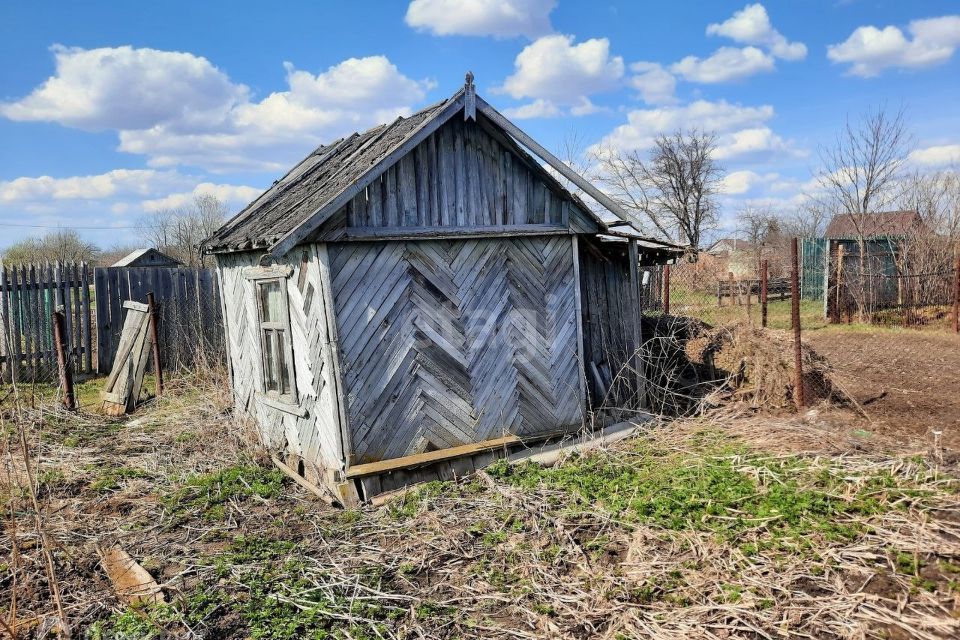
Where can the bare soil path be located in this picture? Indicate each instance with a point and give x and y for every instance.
(908, 382)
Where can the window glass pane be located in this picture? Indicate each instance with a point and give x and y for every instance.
(270, 368)
(284, 371)
(270, 301)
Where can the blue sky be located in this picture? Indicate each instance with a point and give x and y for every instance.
(111, 110)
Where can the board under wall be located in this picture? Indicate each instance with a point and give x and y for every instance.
(445, 343)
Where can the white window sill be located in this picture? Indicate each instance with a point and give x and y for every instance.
(280, 405)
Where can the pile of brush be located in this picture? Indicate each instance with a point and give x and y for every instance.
(756, 366)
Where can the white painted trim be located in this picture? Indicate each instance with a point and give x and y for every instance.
(267, 273)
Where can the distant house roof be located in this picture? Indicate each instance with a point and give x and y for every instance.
(880, 224)
(146, 258)
(729, 244)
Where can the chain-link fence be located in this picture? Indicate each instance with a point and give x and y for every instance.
(882, 290)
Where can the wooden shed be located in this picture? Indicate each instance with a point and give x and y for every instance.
(148, 257)
(424, 295)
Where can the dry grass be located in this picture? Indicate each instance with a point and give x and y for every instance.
(570, 552)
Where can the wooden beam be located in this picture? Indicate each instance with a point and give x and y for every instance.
(550, 159)
(636, 318)
(406, 462)
(300, 480)
(472, 231)
(300, 233)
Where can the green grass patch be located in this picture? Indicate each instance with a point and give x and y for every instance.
(208, 494)
(724, 490)
(111, 479)
(273, 589)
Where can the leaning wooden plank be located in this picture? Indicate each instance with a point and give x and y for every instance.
(140, 364)
(300, 480)
(123, 385)
(428, 457)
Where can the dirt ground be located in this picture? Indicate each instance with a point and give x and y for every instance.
(908, 382)
(735, 524)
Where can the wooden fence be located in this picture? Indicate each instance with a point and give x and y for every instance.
(191, 319)
(29, 294)
(737, 290)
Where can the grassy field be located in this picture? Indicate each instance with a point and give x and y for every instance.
(714, 527)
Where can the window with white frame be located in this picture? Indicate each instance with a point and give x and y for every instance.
(276, 348)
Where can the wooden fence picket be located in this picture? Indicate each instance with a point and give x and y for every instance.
(29, 294)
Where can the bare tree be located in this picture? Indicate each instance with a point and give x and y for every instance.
(179, 232)
(807, 221)
(762, 230)
(62, 245)
(860, 175)
(674, 190)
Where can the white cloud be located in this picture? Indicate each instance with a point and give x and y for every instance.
(937, 156)
(123, 192)
(751, 25)
(655, 84)
(555, 69)
(235, 196)
(116, 183)
(643, 125)
(126, 88)
(754, 143)
(870, 50)
(740, 182)
(497, 18)
(273, 133)
(537, 109)
(724, 65)
(177, 109)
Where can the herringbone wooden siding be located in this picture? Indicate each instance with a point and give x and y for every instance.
(315, 437)
(444, 343)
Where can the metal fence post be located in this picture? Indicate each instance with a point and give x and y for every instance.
(795, 320)
(764, 268)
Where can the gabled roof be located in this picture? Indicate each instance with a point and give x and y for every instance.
(731, 244)
(133, 256)
(297, 204)
(880, 224)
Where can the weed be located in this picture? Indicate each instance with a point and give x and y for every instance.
(726, 491)
(110, 479)
(209, 493)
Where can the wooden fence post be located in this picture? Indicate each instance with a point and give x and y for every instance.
(730, 287)
(835, 316)
(666, 290)
(795, 321)
(63, 365)
(749, 290)
(764, 269)
(155, 343)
